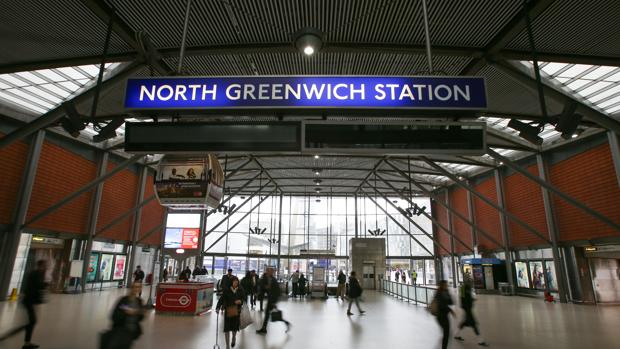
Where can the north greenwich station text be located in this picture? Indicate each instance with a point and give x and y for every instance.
(306, 92)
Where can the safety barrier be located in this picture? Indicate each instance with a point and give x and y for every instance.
(410, 293)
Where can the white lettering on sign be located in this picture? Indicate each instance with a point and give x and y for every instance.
(177, 93)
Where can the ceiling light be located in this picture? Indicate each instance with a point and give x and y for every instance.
(317, 181)
(526, 131)
(317, 171)
(575, 135)
(180, 250)
(316, 156)
(568, 121)
(309, 41)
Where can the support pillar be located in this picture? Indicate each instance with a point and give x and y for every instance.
(279, 230)
(93, 217)
(553, 229)
(137, 219)
(356, 217)
(614, 145)
(161, 247)
(472, 218)
(10, 240)
(451, 229)
(499, 185)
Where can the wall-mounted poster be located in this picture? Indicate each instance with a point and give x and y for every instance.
(538, 276)
(522, 277)
(550, 275)
(92, 267)
(105, 267)
(119, 267)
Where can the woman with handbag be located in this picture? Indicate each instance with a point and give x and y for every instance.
(233, 298)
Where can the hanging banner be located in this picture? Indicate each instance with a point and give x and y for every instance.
(290, 92)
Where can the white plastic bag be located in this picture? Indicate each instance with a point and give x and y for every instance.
(245, 319)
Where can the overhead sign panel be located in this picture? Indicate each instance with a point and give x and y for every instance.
(290, 92)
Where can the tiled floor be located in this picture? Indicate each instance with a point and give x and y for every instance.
(74, 321)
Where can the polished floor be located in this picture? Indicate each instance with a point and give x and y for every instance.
(74, 321)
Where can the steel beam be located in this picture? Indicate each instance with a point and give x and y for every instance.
(525, 79)
(10, 240)
(238, 208)
(487, 200)
(240, 220)
(125, 215)
(513, 28)
(545, 184)
(152, 231)
(472, 218)
(374, 168)
(499, 187)
(161, 246)
(93, 217)
(83, 189)
(356, 216)
(441, 203)
(452, 249)
(137, 219)
(55, 114)
(405, 229)
(554, 233)
(232, 195)
(614, 146)
(279, 229)
(267, 174)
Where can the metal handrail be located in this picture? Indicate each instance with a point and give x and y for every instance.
(421, 294)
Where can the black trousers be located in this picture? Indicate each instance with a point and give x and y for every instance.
(295, 289)
(32, 321)
(445, 327)
(470, 321)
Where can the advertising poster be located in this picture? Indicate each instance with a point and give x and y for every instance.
(92, 267)
(179, 173)
(105, 267)
(186, 238)
(538, 278)
(522, 277)
(550, 275)
(119, 267)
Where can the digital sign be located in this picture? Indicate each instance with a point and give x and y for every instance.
(185, 238)
(252, 92)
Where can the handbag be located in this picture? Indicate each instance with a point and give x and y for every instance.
(434, 307)
(245, 319)
(232, 311)
(276, 315)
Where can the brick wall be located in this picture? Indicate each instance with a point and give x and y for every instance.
(589, 177)
(462, 230)
(12, 164)
(487, 217)
(440, 214)
(524, 199)
(119, 196)
(152, 216)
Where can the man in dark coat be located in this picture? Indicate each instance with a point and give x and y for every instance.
(443, 302)
(33, 295)
(467, 303)
(272, 290)
(138, 275)
(355, 292)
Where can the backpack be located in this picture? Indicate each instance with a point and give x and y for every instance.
(433, 308)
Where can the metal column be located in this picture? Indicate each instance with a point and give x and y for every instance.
(472, 218)
(137, 219)
(161, 246)
(499, 185)
(451, 229)
(356, 219)
(93, 217)
(279, 230)
(10, 241)
(553, 229)
(614, 145)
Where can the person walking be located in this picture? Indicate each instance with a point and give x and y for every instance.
(246, 286)
(262, 284)
(342, 282)
(295, 283)
(197, 271)
(138, 275)
(397, 276)
(126, 318)
(185, 275)
(233, 297)
(467, 303)
(414, 277)
(254, 280)
(227, 279)
(404, 276)
(272, 290)
(355, 292)
(301, 285)
(440, 307)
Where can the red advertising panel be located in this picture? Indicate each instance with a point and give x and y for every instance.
(190, 238)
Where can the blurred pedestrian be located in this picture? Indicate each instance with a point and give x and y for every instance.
(204, 270)
(404, 276)
(254, 289)
(233, 297)
(355, 292)
(246, 286)
(295, 283)
(414, 277)
(227, 279)
(197, 271)
(262, 284)
(272, 291)
(342, 285)
(397, 276)
(440, 307)
(185, 275)
(126, 318)
(138, 275)
(467, 303)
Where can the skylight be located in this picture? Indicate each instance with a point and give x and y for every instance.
(40, 91)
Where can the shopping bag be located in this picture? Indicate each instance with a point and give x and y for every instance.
(245, 319)
(276, 315)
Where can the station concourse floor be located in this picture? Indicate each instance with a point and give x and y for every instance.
(74, 322)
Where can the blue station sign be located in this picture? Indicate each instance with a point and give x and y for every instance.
(252, 92)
